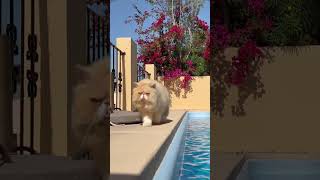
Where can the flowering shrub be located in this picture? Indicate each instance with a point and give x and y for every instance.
(178, 48)
(243, 71)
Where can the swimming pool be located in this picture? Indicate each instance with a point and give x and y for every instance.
(265, 169)
(188, 155)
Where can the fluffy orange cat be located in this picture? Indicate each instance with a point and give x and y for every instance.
(89, 107)
(152, 100)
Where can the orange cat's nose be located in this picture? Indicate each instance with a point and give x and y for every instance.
(143, 96)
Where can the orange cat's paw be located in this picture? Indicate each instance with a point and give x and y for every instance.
(147, 122)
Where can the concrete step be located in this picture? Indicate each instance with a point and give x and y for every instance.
(125, 117)
(39, 167)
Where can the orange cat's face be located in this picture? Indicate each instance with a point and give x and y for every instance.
(144, 96)
(91, 90)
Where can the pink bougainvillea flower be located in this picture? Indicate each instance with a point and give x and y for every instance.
(202, 24)
(207, 51)
(177, 31)
(185, 82)
(157, 24)
(189, 63)
(221, 37)
(140, 42)
(256, 6)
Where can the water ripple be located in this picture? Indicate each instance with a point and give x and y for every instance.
(196, 158)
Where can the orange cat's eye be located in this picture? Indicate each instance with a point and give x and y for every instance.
(147, 93)
(140, 93)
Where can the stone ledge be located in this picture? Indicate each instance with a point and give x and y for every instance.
(136, 151)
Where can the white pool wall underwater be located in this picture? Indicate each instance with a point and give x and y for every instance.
(172, 161)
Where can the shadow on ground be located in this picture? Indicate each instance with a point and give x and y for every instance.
(163, 122)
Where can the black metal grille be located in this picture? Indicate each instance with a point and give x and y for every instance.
(142, 73)
(16, 33)
(117, 60)
(14, 28)
(99, 45)
(32, 76)
(96, 36)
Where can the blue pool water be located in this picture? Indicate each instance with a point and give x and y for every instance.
(255, 169)
(196, 156)
(188, 156)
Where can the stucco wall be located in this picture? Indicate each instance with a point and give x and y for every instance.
(197, 97)
(287, 117)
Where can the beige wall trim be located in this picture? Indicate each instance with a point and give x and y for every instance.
(151, 68)
(129, 70)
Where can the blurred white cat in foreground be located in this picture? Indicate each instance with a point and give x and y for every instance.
(152, 100)
(90, 106)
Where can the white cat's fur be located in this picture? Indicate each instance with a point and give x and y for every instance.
(90, 106)
(152, 100)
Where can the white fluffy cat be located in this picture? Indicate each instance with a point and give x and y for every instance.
(90, 105)
(152, 100)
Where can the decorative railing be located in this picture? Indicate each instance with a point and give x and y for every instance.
(117, 62)
(17, 52)
(142, 73)
(98, 48)
(97, 37)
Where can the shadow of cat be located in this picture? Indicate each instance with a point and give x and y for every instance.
(162, 122)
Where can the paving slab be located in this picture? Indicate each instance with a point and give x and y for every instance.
(136, 151)
(39, 167)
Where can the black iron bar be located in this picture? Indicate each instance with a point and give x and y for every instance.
(11, 12)
(142, 72)
(103, 37)
(138, 75)
(117, 81)
(120, 77)
(32, 70)
(98, 38)
(94, 37)
(10, 34)
(33, 57)
(22, 79)
(88, 36)
(107, 24)
(0, 17)
(115, 78)
(113, 70)
(115, 47)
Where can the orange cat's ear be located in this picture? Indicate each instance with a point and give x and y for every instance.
(134, 84)
(153, 85)
(80, 74)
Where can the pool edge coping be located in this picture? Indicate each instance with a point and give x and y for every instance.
(165, 171)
